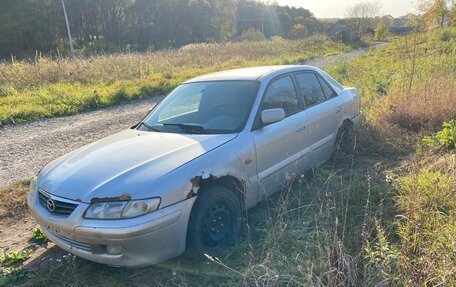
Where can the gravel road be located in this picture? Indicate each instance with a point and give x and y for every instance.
(26, 148)
(333, 60)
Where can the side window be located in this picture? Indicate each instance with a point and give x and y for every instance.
(281, 93)
(329, 93)
(310, 89)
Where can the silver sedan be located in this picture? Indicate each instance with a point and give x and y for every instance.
(179, 179)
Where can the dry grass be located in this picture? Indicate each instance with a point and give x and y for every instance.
(49, 88)
(425, 108)
(401, 119)
(13, 199)
(110, 68)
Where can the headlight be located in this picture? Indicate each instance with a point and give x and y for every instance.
(122, 209)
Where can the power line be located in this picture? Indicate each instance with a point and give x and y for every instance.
(68, 30)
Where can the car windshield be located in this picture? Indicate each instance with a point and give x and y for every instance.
(204, 108)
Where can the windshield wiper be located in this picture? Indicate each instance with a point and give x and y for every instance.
(149, 127)
(188, 127)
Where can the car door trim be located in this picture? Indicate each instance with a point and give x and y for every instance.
(284, 163)
(323, 141)
(271, 170)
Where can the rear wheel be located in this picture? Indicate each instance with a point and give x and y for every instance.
(215, 223)
(345, 142)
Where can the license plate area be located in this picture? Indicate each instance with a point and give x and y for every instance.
(58, 232)
(65, 238)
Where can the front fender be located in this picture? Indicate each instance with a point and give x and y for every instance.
(236, 158)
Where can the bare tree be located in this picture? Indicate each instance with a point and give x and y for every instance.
(362, 16)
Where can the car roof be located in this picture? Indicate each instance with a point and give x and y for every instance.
(252, 74)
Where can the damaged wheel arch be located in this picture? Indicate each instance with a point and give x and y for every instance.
(236, 186)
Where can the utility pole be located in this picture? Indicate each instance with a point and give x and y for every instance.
(68, 30)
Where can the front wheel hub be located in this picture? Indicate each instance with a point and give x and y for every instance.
(216, 223)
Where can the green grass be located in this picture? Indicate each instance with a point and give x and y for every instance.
(9, 259)
(38, 236)
(50, 88)
(408, 93)
(390, 69)
(446, 137)
(408, 88)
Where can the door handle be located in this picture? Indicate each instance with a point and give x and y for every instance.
(339, 109)
(300, 128)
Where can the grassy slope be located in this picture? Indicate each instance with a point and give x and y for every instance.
(386, 217)
(57, 88)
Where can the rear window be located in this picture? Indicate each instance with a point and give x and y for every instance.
(336, 86)
(329, 93)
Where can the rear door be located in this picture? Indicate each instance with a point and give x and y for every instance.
(324, 111)
(279, 146)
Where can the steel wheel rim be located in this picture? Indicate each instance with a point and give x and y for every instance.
(217, 223)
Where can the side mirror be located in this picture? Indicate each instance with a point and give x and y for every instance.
(272, 116)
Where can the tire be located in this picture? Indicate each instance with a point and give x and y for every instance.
(215, 223)
(345, 142)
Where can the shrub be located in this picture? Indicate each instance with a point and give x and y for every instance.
(446, 137)
(12, 258)
(381, 31)
(298, 31)
(38, 235)
(252, 34)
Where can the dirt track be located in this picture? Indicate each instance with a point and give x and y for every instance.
(26, 148)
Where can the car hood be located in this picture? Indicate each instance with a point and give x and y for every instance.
(116, 159)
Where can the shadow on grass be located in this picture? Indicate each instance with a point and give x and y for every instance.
(56, 267)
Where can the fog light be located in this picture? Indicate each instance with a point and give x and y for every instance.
(113, 250)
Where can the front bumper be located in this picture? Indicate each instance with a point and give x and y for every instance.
(145, 240)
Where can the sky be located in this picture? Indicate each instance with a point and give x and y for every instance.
(338, 8)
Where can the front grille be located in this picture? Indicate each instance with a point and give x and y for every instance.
(59, 206)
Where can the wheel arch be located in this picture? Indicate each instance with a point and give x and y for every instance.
(346, 121)
(207, 188)
(236, 185)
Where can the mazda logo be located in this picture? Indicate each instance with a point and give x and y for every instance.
(50, 205)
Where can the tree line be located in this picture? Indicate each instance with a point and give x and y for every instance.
(31, 26)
